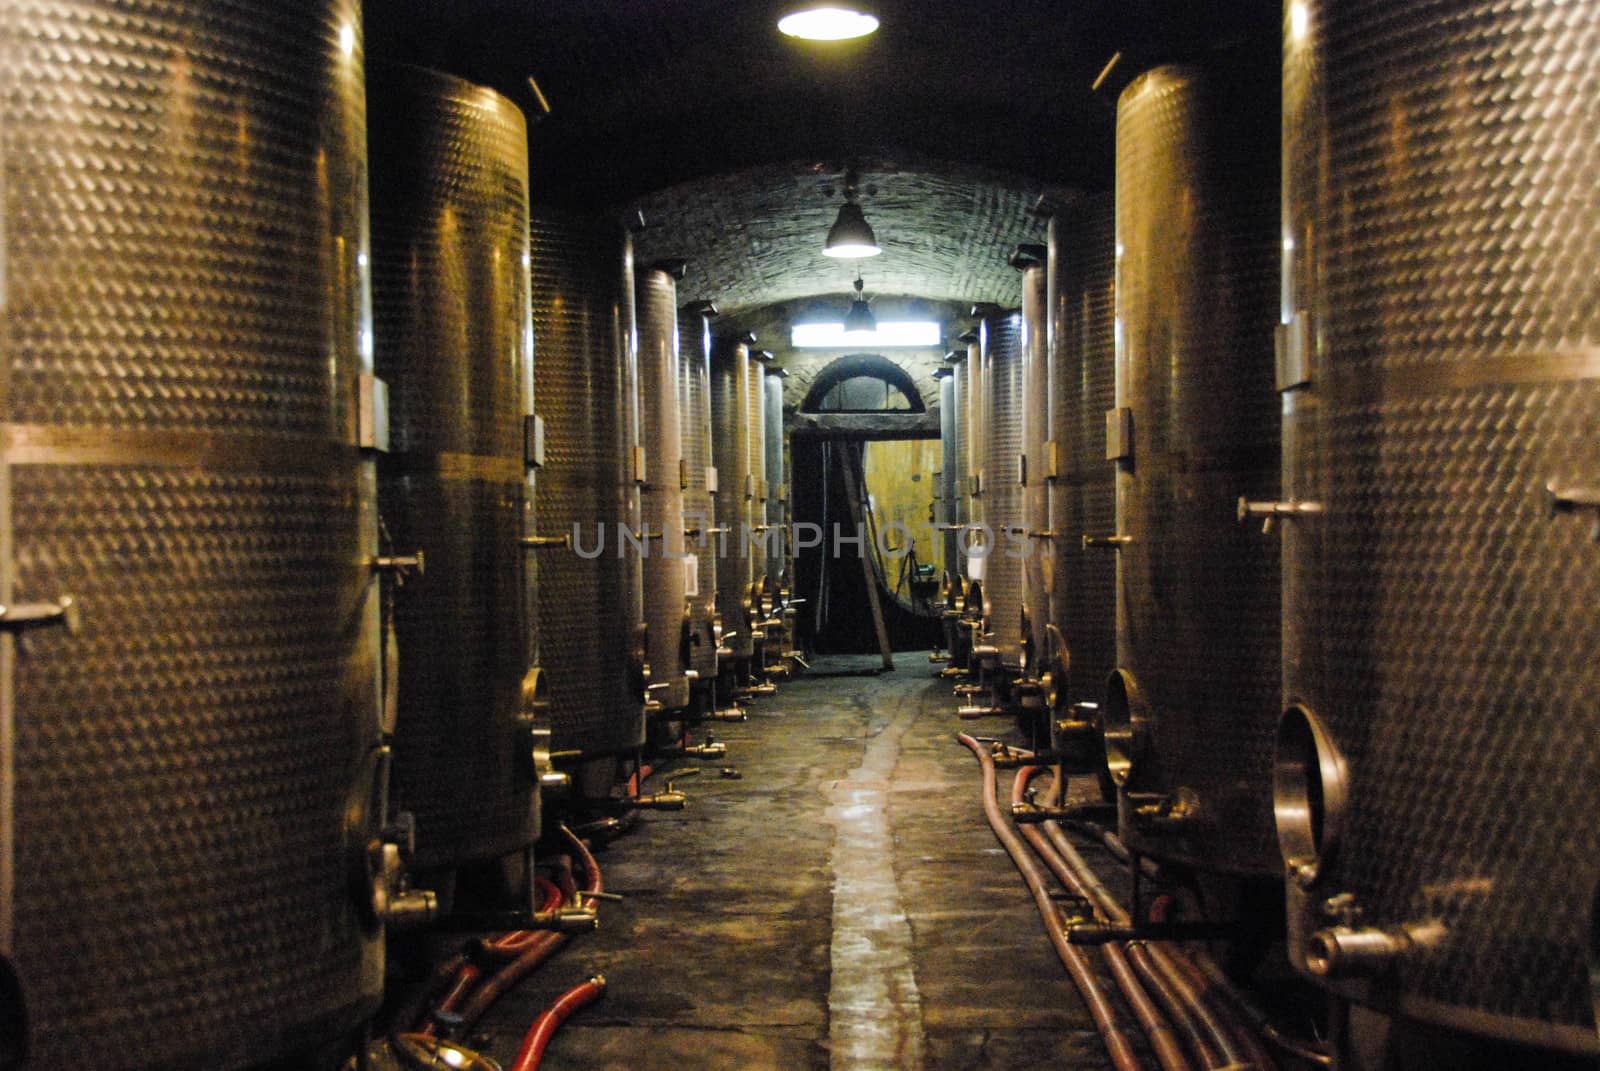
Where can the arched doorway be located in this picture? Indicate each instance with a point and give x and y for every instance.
(864, 430)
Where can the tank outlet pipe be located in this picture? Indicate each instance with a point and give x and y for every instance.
(1365, 951)
(1118, 1045)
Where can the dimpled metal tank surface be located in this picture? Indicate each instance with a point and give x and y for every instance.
(661, 496)
(730, 445)
(585, 389)
(1191, 711)
(1083, 497)
(191, 775)
(454, 344)
(755, 399)
(1001, 339)
(694, 353)
(1442, 400)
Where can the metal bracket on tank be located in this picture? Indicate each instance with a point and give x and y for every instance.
(533, 441)
(372, 414)
(22, 616)
(1119, 434)
(1294, 353)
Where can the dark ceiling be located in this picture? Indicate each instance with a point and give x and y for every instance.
(727, 133)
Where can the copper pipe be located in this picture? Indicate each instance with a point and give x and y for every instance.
(1166, 971)
(1095, 997)
(1163, 1041)
(544, 1028)
(1246, 1038)
(1156, 981)
(1183, 978)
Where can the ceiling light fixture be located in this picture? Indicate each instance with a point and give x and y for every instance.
(859, 323)
(891, 334)
(851, 235)
(827, 22)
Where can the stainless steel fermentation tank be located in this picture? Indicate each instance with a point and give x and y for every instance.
(783, 610)
(777, 490)
(1001, 341)
(975, 404)
(1436, 768)
(1191, 709)
(1034, 470)
(454, 343)
(756, 502)
(192, 776)
(705, 624)
(592, 634)
(731, 368)
(1083, 594)
(666, 477)
(950, 514)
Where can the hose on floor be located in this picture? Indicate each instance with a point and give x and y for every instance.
(1168, 1051)
(1212, 1042)
(544, 1028)
(540, 947)
(1118, 1045)
(1210, 978)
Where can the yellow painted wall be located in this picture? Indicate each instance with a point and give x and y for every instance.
(902, 478)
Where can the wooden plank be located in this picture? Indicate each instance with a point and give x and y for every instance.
(852, 492)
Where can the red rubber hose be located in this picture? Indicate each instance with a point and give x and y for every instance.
(544, 1028)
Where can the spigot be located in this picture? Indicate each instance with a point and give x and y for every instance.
(1081, 723)
(1350, 950)
(1585, 500)
(733, 713)
(669, 799)
(971, 713)
(1112, 542)
(1176, 811)
(1270, 512)
(708, 750)
(394, 902)
(401, 567)
(576, 918)
(1033, 813)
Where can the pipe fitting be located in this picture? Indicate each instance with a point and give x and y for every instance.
(1364, 951)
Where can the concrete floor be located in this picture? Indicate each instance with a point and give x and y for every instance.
(842, 905)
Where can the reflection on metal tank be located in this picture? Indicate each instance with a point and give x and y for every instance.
(1193, 704)
(1034, 472)
(1083, 497)
(694, 347)
(1000, 336)
(191, 776)
(454, 339)
(590, 621)
(666, 614)
(1441, 399)
(730, 445)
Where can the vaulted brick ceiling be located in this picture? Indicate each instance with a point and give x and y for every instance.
(755, 237)
(726, 133)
